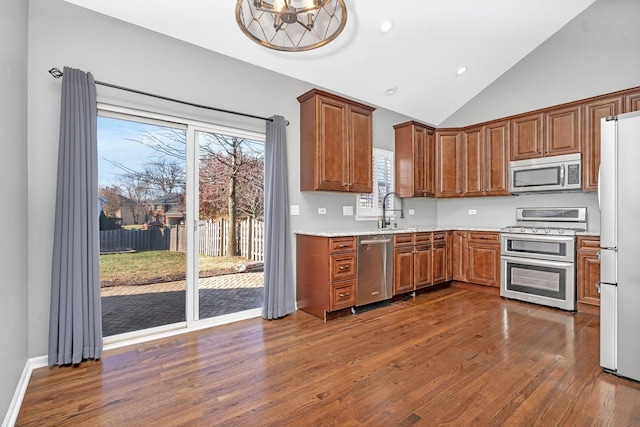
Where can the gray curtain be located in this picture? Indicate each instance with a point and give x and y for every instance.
(75, 324)
(279, 295)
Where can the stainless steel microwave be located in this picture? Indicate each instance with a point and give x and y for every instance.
(545, 174)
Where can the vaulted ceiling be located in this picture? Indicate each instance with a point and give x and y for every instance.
(429, 41)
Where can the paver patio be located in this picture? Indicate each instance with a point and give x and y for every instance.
(131, 308)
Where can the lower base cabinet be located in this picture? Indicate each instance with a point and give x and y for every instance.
(588, 274)
(325, 274)
(476, 257)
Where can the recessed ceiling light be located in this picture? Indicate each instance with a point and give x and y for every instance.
(461, 70)
(386, 26)
(391, 90)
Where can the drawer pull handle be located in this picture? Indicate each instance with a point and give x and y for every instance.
(343, 294)
(343, 267)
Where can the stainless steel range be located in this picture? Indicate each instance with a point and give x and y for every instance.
(538, 256)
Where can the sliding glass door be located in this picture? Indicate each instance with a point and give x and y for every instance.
(181, 222)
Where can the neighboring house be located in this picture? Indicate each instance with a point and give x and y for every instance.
(167, 209)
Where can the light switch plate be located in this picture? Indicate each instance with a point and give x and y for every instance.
(472, 211)
(322, 211)
(295, 209)
(412, 211)
(347, 210)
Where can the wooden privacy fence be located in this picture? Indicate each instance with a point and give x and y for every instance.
(212, 236)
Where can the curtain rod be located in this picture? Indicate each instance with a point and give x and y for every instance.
(55, 72)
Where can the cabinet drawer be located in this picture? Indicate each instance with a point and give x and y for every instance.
(402, 239)
(439, 237)
(588, 243)
(484, 237)
(342, 244)
(342, 295)
(423, 238)
(343, 267)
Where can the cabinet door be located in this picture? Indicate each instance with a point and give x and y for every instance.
(496, 158)
(449, 162)
(593, 112)
(562, 130)
(588, 276)
(420, 161)
(459, 256)
(402, 270)
(429, 162)
(422, 266)
(484, 265)
(473, 147)
(449, 271)
(632, 102)
(360, 150)
(332, 155)
(439, 263)
(527, 137)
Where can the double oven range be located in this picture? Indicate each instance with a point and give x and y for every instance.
(538, 256)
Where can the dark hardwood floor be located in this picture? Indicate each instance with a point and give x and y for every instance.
(453, 357)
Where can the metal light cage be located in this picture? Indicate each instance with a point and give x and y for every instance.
(291, 25)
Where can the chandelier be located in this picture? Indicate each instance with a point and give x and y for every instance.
(291, 25)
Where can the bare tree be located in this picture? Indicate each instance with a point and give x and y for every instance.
(113, 194)
(138, 193)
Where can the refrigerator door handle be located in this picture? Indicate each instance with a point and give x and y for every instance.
(562, 176)
(599, 196)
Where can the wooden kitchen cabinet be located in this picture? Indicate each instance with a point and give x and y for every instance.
(593, 111)
(483, 263)
(414, 159)
(325, 274)
(476, 257)
(459, 255)
(562, 132)
(439, 264)
(486, 157)
(632, 101)
(527, 137)
(449, 163)
(588, 274)
(412, 262)
(335, 143)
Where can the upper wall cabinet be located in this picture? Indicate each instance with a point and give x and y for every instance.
(562, 130)
(632, 101)
(593, 112)
(527, 138)
(414, 158)
(486, 150)
(449, 163)
(553, 132)
(335, 143)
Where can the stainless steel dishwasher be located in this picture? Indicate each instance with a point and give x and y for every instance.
(375, 257)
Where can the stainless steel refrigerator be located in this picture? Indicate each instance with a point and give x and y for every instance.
(619, 197)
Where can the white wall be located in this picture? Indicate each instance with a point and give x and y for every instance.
(13, 214)
(63, 34)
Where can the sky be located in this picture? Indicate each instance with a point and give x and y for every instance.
(117, 141)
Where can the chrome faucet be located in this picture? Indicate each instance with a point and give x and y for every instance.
(386, 222)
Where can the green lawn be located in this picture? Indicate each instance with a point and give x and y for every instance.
(145, 267)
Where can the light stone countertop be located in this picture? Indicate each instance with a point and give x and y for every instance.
(346, 233)
(588, 233)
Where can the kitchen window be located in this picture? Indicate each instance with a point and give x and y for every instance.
(369, 205)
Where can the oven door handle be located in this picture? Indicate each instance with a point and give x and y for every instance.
(536, 262)
(538, 237)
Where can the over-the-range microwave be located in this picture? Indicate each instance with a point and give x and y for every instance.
(554, 173)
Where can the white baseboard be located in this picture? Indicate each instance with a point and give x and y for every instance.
(21, 389)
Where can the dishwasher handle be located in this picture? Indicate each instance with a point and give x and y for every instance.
(374, 242)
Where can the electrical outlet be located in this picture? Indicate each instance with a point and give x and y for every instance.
(347, 210)
(472, 211)
(412, 211)
(322, 211)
